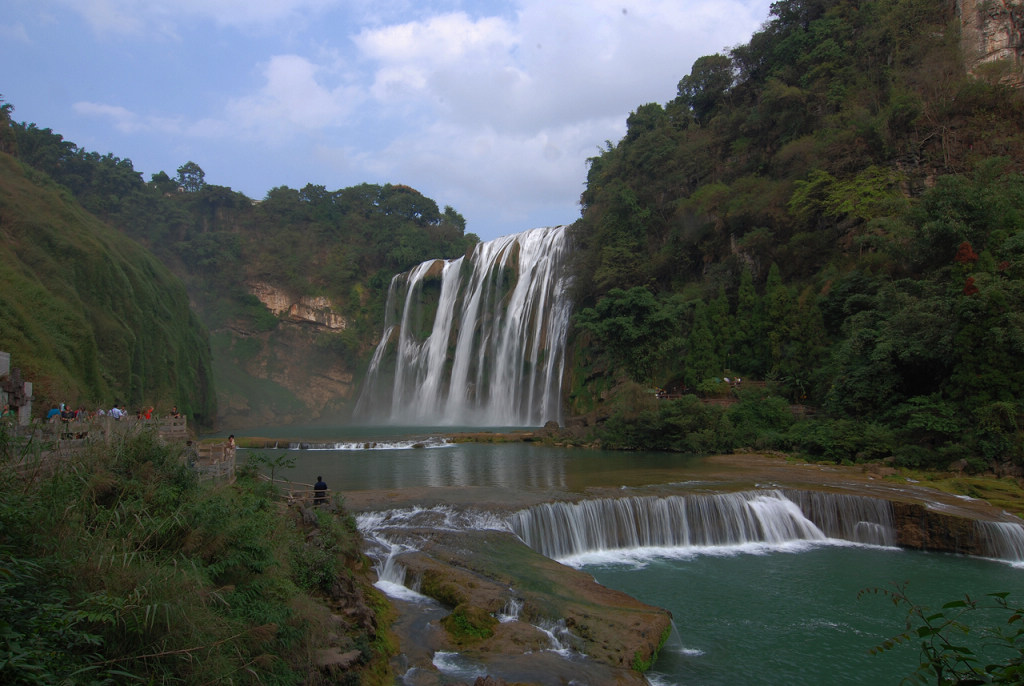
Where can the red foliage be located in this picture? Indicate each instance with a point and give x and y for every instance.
(969, 287)
(965, 254)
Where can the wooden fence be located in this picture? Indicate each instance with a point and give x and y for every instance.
(296, 492)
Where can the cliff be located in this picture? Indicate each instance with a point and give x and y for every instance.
(992, 37)
(300, 371)
(89, 316)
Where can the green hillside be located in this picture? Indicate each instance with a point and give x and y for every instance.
(835, 209)
(88, 315)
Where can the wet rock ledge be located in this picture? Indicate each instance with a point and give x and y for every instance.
(477, 573)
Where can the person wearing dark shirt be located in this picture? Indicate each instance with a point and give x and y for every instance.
(319, 491)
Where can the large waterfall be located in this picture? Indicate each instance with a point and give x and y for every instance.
(475, 341)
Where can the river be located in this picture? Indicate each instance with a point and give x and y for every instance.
(784, 612)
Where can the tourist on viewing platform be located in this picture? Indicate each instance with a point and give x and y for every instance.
(231, 442)
(148, 413)
(53, 415)
(116, 412)
(319, 491)
(174, 414)
(8, 412)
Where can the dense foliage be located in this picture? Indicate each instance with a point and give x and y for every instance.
(90, 317)
(120, 567)
(836, 209)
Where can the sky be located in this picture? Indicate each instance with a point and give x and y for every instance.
(492, 107)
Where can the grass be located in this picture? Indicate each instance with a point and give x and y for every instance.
(120, 566)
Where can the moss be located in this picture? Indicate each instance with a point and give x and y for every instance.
(467, 624)
(640, 664)
(441, 588)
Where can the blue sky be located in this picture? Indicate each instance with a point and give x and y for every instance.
(490, 107)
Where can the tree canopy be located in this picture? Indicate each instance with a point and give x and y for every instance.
(835, 209)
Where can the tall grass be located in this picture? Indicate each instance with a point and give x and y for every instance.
(120, 566)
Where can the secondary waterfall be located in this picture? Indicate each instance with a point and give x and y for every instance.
(561, 530)
(475, 341)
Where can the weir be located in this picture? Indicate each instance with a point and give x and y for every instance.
(562, 530)
(475, 341)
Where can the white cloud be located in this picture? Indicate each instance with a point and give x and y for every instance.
(417, 58)
(293, 96)
(125, 120)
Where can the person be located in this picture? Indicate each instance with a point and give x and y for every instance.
(53, 415)
(116, 412)
(8, 412)
(174, 412)
(231, 442)
(319, 491)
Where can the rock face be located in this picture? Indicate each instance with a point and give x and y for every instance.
(924, 529)
(992, 31)
(314, 310)
(479, 572)
(299, 370)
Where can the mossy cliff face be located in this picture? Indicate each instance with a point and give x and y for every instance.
(88, 315)
(476, 573)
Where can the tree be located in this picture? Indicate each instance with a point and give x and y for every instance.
(630, 326)
(8, 143)
(706, 86)
(191, 177)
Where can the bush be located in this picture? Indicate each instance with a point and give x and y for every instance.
(968, 641)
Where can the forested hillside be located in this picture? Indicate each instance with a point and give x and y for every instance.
(835, 208)
(89, 316)
(291, 287)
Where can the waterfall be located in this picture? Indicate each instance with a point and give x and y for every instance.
(561, 530)
(1002, 540)
(849, 517)
(479, 340)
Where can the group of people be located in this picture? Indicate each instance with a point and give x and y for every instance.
(65, 413)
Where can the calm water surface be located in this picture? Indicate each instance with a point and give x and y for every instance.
(794, 617)
(501, 466)
(744, 616)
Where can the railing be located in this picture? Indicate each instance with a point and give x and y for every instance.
(215, 462)
(295, 492)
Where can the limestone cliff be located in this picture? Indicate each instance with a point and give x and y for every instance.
(314, 310)
(992, 37)
(297, 371)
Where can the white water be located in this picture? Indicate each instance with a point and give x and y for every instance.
(1003, 540)
(496, 348)
(409, 444)
(750, 519)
